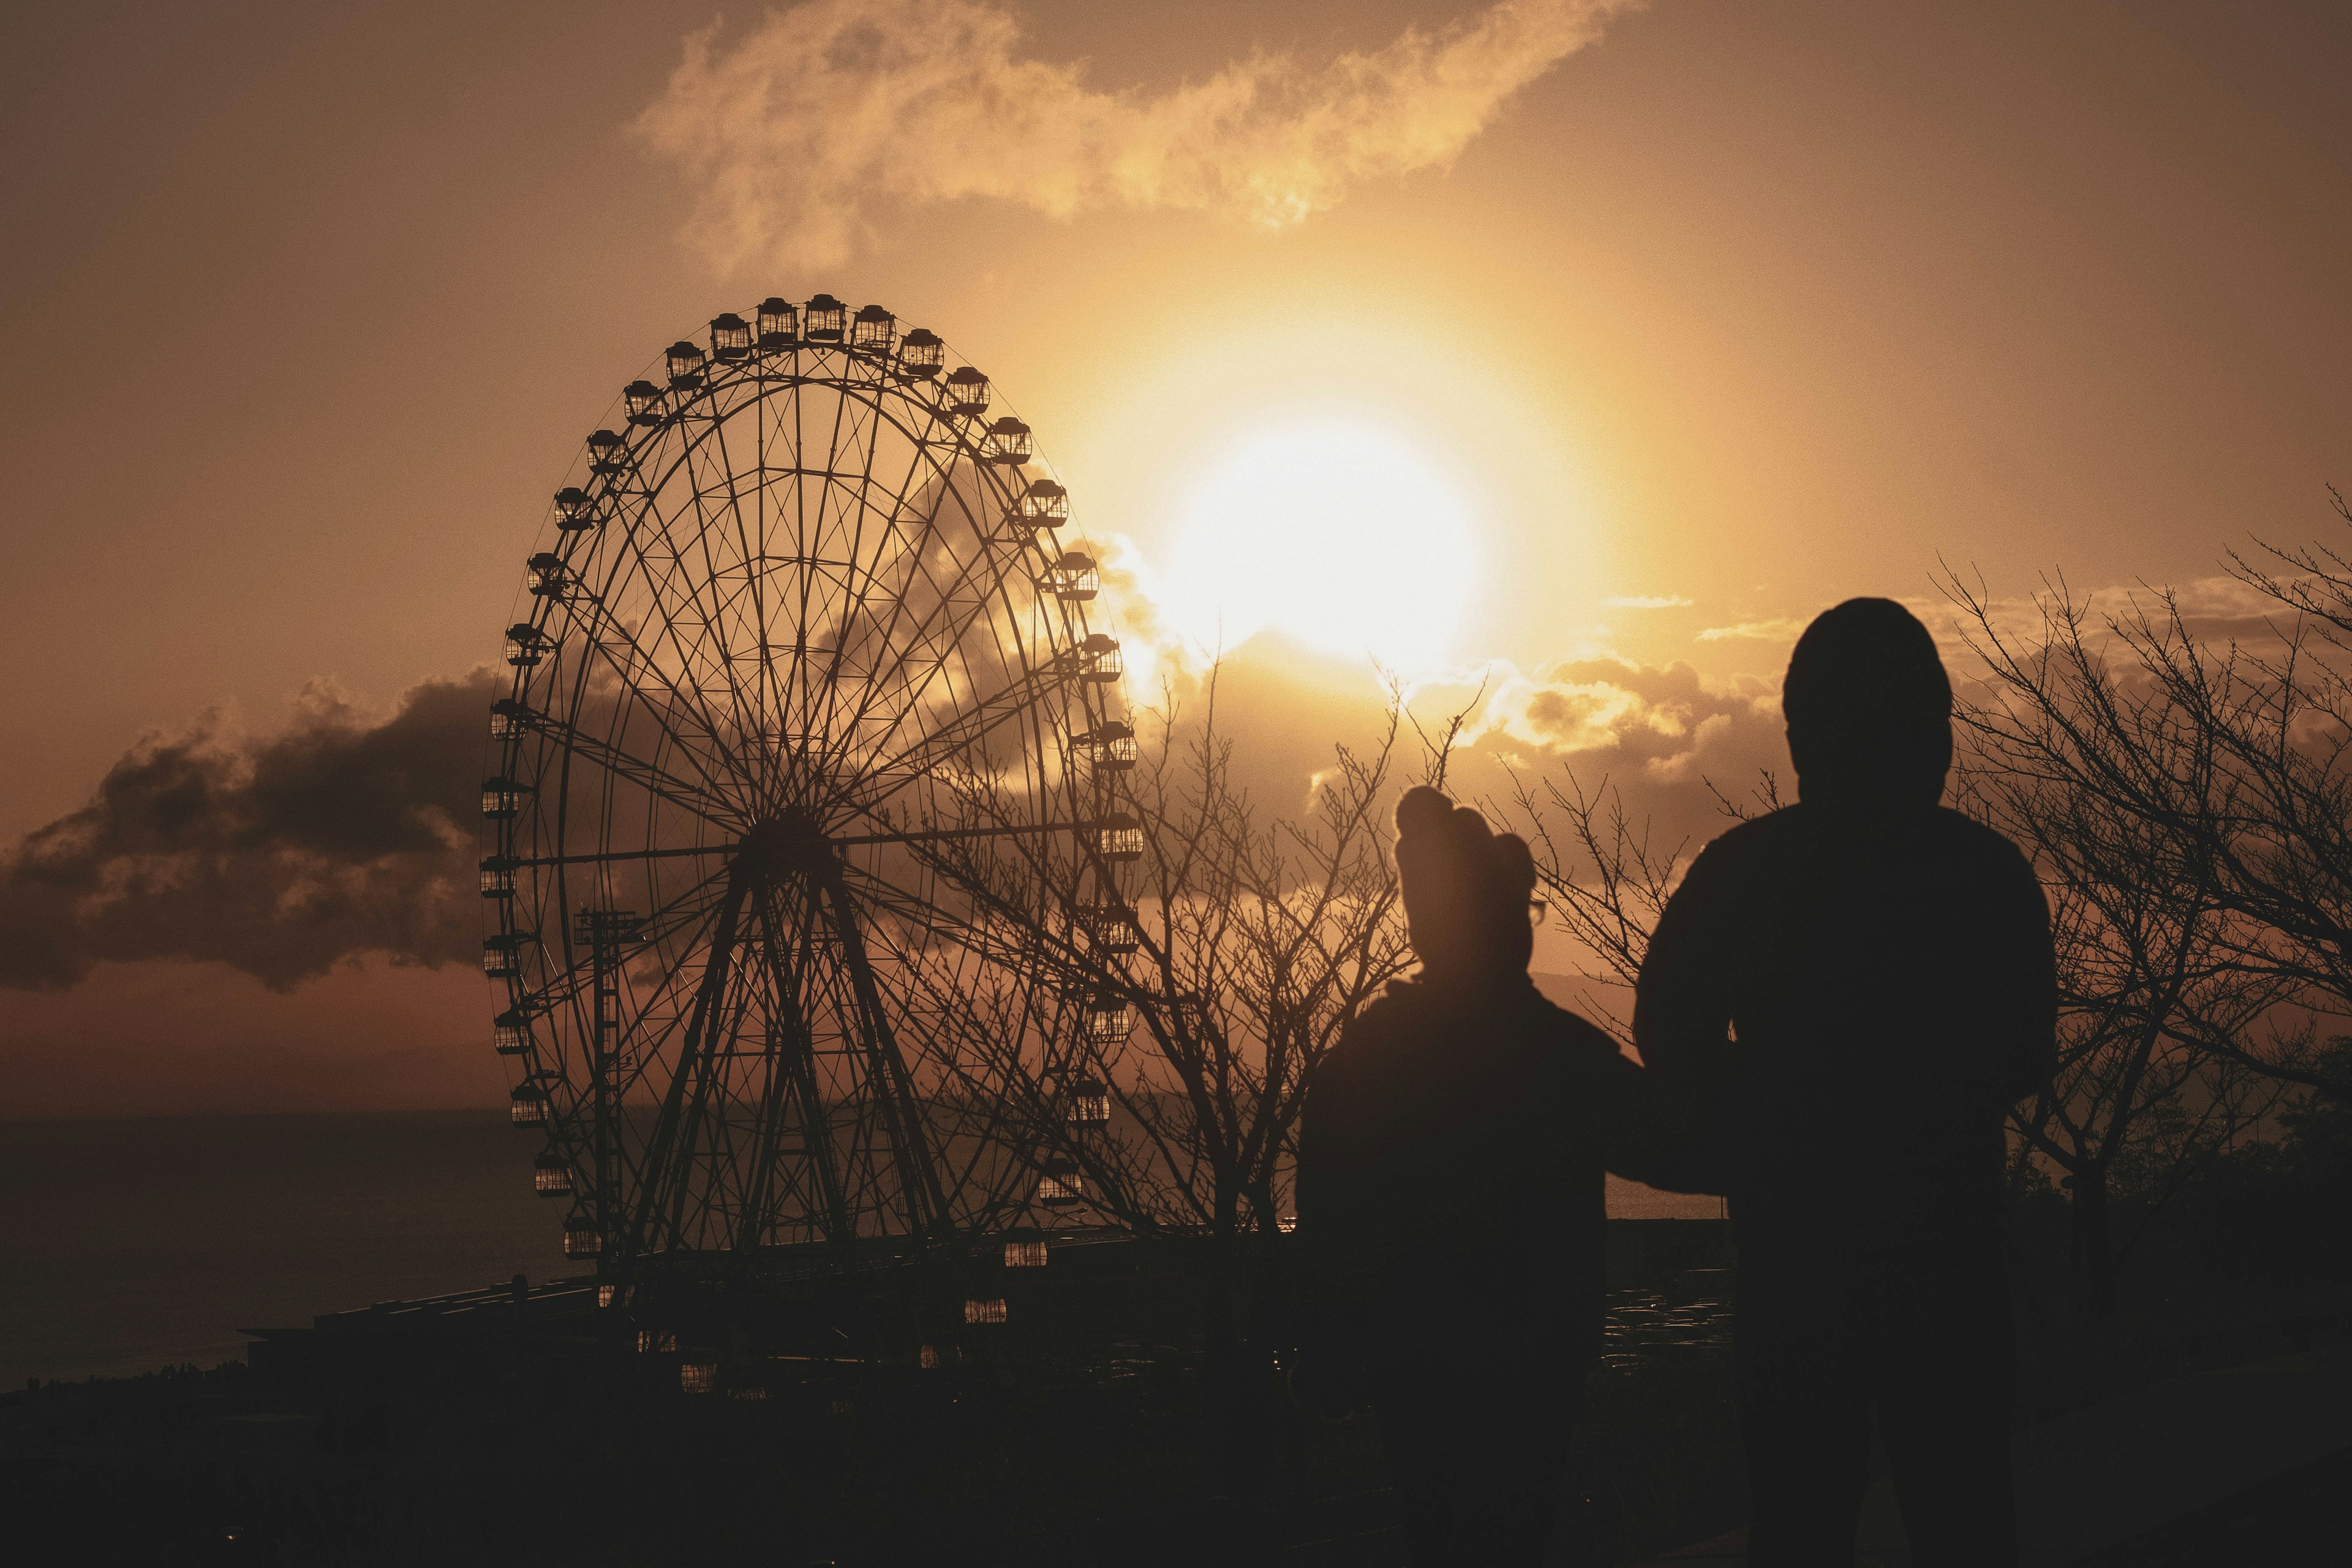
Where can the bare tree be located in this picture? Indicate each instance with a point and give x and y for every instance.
(1258, 939)
(2131, 1105)
(1206, 955)
(2227, 770)
(1209, 959)
(1605, 880)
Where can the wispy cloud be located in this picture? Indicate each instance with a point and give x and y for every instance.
(1780, 628)
(1647, 602)
(801, 130)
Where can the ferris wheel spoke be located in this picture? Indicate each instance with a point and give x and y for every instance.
(651, 1026)
(932, 646)
(620, 857)
(638, 1053)
(759, 566)
(660, 573)
(931, 1007)
(976, 933)
(924, 461)
(714, 1124)
(810, 537)
(1062, 667)
(921, 458)
(959, 835)
(832, 657)
(942, 596)
(744, 633)
(977, 1081)
(730, 609)
(630, 664)
(959, 733)
(703, 598)
(854, 599)
(659, 783)
(1002, 1005)
(675, 916)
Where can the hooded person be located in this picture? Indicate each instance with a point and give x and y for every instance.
(1450, 1183)
(1858, 987)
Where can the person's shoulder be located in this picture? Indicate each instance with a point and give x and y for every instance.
(1396, 1010)
(1755, 839)
(1568, 1030)
(1402, 998)
(1988, 846)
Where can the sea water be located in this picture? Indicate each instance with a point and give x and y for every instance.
(129, 1244)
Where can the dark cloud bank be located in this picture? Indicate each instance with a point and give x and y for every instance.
(350, 834)
(345, 834)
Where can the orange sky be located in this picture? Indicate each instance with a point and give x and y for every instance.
(1753, 306)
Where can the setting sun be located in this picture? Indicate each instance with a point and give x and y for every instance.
(1339, 534)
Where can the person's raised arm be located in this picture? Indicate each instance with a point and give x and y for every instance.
(2024, 982)
(1682, 1013)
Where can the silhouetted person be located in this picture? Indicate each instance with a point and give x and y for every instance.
(1861, 983)
(1450, 1203)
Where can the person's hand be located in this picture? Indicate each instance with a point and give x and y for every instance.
(1466, 889)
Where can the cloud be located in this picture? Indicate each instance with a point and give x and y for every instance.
(2220, 611)
(1161, 661)
(1665, 721)
(1647, 602)
(1665, 739)
(1780, 628)
(800, 131)
(278, 857)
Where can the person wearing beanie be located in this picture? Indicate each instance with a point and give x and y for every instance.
(1858, 987)
(1450, 1203)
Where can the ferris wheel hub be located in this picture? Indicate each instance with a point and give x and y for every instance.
(787, 845)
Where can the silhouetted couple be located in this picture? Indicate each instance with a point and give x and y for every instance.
(1840, 1001)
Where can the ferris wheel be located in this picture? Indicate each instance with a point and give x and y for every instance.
(807, 665)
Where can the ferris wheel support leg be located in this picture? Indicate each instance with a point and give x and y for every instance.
(673, 1127)
(919, 1178)
(797, 1071)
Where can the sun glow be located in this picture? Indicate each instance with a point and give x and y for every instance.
(1339, 533)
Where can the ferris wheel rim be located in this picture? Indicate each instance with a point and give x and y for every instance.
(728, 824)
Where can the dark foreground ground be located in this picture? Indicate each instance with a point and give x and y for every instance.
(477, 1430)
(1076, 1432)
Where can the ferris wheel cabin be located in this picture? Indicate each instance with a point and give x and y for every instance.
(779, 324)
(921, 355)
(825, 320)
(1090, 1104)
(1044, 504)
(731, 339)
(872, 329)
(967, 390)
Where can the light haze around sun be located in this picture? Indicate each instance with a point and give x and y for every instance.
(1334, 531)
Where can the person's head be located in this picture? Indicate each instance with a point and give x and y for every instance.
(1869, 708)
(1466, 889)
